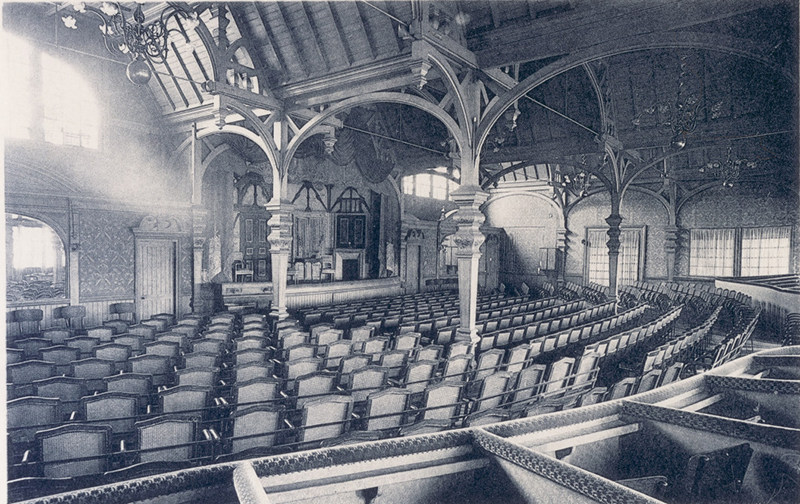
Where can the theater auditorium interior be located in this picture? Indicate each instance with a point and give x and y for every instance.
(424, 251)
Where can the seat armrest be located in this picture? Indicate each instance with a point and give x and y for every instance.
(26, 457)
(288, 424)
(284, 394)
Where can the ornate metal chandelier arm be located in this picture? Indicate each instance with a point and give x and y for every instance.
(107, 29)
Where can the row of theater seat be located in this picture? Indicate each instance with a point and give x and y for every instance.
(304, 407)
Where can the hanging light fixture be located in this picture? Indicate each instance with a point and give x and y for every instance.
(728, 170)
(144, 43)
(680, 117)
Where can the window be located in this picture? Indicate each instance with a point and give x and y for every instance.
(48, 95)
(629, 261)
(429, 185)
(71, 115)
(711, 252)
(20, 109)
(449, 257)
(35, 260)
(740, 252)
(765, 251)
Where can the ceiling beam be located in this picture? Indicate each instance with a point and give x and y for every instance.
(595, 23)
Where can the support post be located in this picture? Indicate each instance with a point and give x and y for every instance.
(468, 239)
(670, 247)
(199, 274)
(613, 243)
(280, 245)
(561, 257)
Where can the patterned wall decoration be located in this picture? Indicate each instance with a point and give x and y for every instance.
(185, 280)
(107, 253)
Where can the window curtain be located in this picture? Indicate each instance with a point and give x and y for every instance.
(711, 252)
(765, 251)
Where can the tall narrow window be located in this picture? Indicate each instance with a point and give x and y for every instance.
(711, 252)
(71, 115)
(765, 251)
(19, 106)
(628, 262)
(598, 256)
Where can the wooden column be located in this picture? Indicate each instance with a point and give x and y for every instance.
(670, 246)
(280, 246)
(613, 220)
(198, 248)
(468, 239)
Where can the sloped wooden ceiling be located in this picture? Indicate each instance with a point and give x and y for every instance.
(288, 41)
(738, 56)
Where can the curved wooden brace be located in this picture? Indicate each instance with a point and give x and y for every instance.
(599, 93)
(217, 65)
(271, 149)
(682, 40)
(661, 199)
(403, 99)
(450, 78)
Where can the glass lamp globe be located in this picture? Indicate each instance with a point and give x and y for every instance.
(138, 71)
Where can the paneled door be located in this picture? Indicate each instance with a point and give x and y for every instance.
(412, 268)
(155, 277)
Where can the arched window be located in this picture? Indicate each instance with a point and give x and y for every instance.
(35, 260)
(69, 113)
(430, 185)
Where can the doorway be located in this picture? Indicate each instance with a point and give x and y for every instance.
(155, 277)
(349, 269)
(412, 269)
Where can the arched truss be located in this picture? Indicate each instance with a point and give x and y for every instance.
(713, 185)
(658, 197)
(386, 97)
(682, 40)
(532, 194)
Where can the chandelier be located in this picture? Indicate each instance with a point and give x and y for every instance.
(727, 170)
(679, 117)
(578, 183)
(144, 43)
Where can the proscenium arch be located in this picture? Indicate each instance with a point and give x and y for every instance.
(381, 97)
(683, 40)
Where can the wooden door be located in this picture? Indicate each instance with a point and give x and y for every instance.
(155, 277)
(412, 268)
(492, 254)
